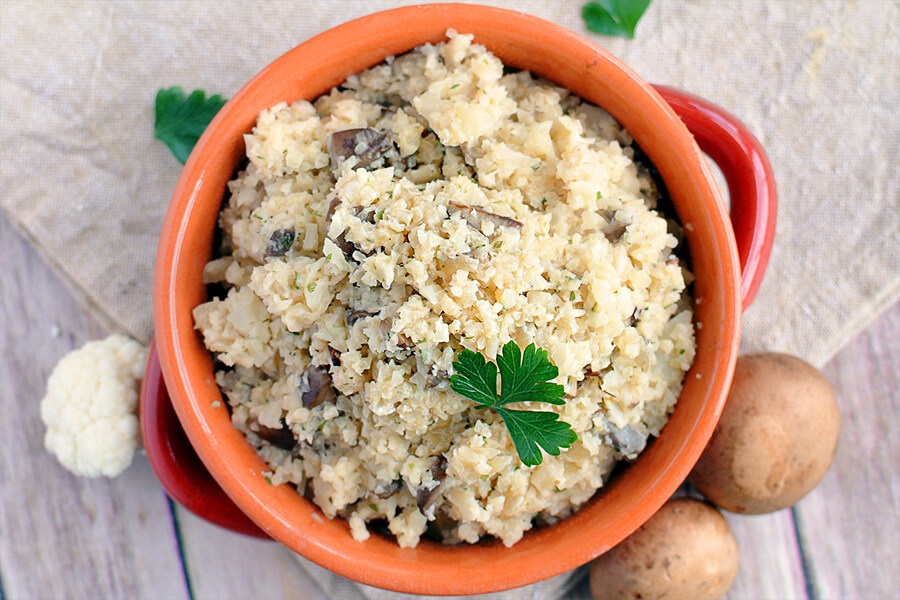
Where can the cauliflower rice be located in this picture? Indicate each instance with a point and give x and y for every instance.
(429, 204)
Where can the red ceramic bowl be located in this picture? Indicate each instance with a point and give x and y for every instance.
(570, 61)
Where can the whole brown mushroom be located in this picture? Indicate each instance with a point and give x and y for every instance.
(686, 551)
(775, 440)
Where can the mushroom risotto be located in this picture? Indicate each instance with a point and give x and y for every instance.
(430, 204)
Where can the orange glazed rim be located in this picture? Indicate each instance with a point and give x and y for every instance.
(633, 495)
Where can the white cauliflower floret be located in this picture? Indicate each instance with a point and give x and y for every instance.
(89, 408)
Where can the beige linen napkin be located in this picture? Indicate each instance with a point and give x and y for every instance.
(817, 81)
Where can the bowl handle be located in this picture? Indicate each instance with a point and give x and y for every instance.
(176, 464)
(751, 182)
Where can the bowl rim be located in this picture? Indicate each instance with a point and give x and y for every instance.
(431, 568)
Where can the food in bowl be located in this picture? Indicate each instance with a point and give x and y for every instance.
(430, 204)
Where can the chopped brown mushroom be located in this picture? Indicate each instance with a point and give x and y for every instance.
(280, 242)
(335, 356)
(332, 206)
(315, 387)
(627, 441)
(391, 103)
(408, 163)
(426, 498)
(475, 216)
(282, 438)
(634, 318)
(467, 155)
(403, 340)
(346, 246)
(368, 215)
(615, 229)
(435, 377)
(386, 490)
(355, 315)
(367, 145)
(600, 373)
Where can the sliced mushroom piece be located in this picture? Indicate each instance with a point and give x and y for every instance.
(627, 441)
(403, 340)
(386, 490)
(348, 247)
(315, 387)
(387, 108)
(332, 206)
(475, 216)
(367, 145)
(435, 377)
(467, 155)
(355, 315)
(426, 498)
(280, 242)
(614, 229)
(634, 318)
(368, 215)
(391, 102)
(282, 438)
(335, 356)
(600, 373)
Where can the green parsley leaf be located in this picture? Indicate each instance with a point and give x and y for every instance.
(614, 17)
(475, 378)
(530, 429)
(524, 377)
(181, 119)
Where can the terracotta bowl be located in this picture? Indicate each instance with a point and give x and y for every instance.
(570, 61)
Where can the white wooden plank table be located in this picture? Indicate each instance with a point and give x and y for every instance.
(65, 537)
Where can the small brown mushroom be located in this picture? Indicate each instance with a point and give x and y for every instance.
(776, 438)
(315, 387)
(475, 216)
(367, 145)
(426, 498)
(686, 551)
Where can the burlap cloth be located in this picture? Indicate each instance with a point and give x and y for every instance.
(818, 81)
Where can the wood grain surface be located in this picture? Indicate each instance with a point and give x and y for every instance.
(66, 537)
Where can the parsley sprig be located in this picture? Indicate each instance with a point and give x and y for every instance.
(181, 119)
(524, 377)
(614, 17)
